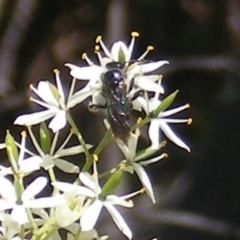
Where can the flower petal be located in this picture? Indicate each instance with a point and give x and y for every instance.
(118, 219)
(58, 122)
(90, 216)
(118, 47)
(66, 166)
(147, 67)
(84, 73)
(153, 133)
(7, 190)
(35, 118)
(44, 202)
(34, 188)
(172, 136)
(148, 85)
(19, 214)
(44, 91)
(143, 177)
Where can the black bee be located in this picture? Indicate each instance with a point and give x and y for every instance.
(118, 104)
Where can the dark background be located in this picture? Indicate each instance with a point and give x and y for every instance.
(198, 194)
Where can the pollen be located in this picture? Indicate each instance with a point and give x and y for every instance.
(165, 155)
(96, 48)
(84, 55)
(163, 143)
(95, 157)
(150, 48)
(30, 99)
(98, 39)
(56, 71)
(142, 191)
(24, 134)
(135, 34)
(190, 120)
(30, 86)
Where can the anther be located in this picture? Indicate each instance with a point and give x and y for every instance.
(98, 39)
(56, 71)
(135, 34)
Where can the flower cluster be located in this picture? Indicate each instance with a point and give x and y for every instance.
(119, 83)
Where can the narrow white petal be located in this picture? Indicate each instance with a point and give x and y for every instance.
(59, 86)
(44, 202)
(34, 118)
(153, 133)
(66, 166)
(172, 136)
(64, 216)
(45, 93)
(115, 200)
(148, 85)
(79, 96)
(173, 111)
(30, 164)
(34, 188)
(2, 145)
(85, 73)
(5, 171)
(148, 67)
(118, 219)
(19, 214)
(7, 190)
(79, 190)
(58, 122)
(90, 216)
(4, 205)
(90, 182)
(143, 177)
(72, 150)
(117, 46)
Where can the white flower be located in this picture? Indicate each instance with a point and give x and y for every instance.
(134, 163)
(119, 53)
(24, 166)
(161, 121)
(10, 198)
(55, 157)
(53, 99)
(96, 202)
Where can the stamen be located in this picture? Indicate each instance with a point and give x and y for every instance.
(149, 48)
(122, 166)
(31, 86)
(85, 57)
(24, 134)
(99, 40)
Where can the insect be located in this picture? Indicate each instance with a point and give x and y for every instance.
(118, 103)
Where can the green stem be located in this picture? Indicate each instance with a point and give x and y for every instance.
(82, 142)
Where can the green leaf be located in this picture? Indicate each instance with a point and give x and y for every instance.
(166, 102)
(11, 147)
(112, 183)
(45, 139)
